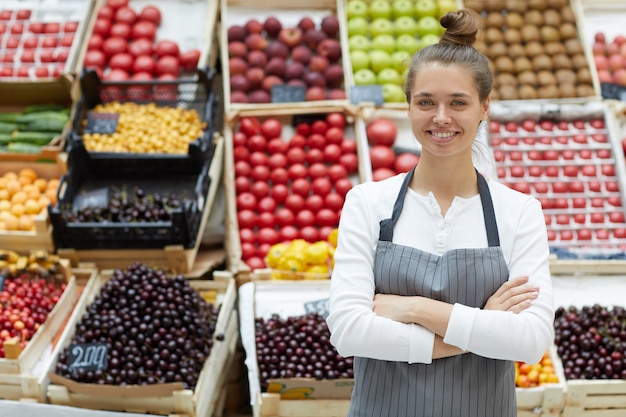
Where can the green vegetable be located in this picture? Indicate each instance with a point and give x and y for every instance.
(35, 138)
(9, 117)
(5, 138)
(17, 147)
(44, 125)
(46, 115)
(7, 127)
(38, 108)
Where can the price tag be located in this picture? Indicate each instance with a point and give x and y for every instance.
(103, 123)
(367, 93)
(318, 306)
(92, 199)
(613, 91)
(88, 356)
(2, 279)
(287, 93)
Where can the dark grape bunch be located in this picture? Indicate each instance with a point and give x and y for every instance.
(591, 341)
(297, 347)
(157, 329)
(123, 208)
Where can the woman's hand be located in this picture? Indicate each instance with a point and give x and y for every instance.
(394, 307)
(515, 295)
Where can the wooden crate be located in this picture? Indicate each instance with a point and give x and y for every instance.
(25, 378)
(595, 398)
(173, 258)
(201, 402)
(290, 13)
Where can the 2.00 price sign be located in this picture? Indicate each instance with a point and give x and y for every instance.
(88, 356)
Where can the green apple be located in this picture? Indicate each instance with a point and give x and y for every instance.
(379, 60)
(429, 39)
(381, 26)
(384, 42)
(357, 8)
(425, 8)
(359, 43)
(357, 26)
(380, 9)
(393, 93)
(364, 77)
(402, 8)
(446, 6)
(388, 76)
(428, 25)
(400, 60)
(405, 24)
(407, 43)
(359, 60)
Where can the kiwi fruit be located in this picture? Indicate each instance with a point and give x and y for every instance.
(504, 64)
(557, 4)
(540, 5)
(527, 92)
(542, 62)
(493, 5)
(585, 90)
(583, 76)
(530, 33)
(568, 15)
(534, 49)
(476, 5)
(546, 77)
(512, 36)
(565, 76)
(527, 77)
(573, 46)
(508, 92)
(497, 49)
(567, 90)
(506, 79)
(522, 64)
(568, 31)
(518, 6)
(579, 61)
(493, 35)
(551, 18)
(554, 48)
(516, 50)
(494, 19)
(514, 20)
(549, 34)
(533, 17)
(481, 47)
(561, 61)
(548, 91)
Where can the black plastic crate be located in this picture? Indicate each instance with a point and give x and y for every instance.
(197, 93)
(85, 187)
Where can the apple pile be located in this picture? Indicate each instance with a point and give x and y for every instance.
(569, 166)
(385, 160)
(123, 46)
(610, 58)
(290, 188)
(534, 49)
(33, 49)
(263, 54)
(383, 34)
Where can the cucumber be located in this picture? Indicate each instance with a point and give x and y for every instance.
(46, 115)
(17, 147)
(44, 125)
(7, 127)
(5, 139)
(34, 138)
(9, 117)
(38, 108)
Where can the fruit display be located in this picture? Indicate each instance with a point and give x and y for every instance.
(36, 126)
(31, 288)
(297, 347)
(300, 259)
(384, 34)
(570, 164)
(38, 40)
(535, 50)
(290, 179)
(156, 329)
(591, 341)
(23, 196)
(610, 58)
(304, 52)
(128, 43)
(535, 375)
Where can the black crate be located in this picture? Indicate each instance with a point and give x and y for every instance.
(84, 184)
(197, 93)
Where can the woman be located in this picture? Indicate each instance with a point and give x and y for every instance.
(441, 277)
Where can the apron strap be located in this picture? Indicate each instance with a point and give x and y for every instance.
(489, 216)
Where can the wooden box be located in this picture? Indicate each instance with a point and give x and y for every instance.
(202, 401)
(605, 398)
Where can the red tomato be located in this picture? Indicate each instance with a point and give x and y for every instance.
(168, 65)
(22, 72)
(67, 41)
(151, 14)
(249, 126)
(258, 158)
(276, 145)
(257, 143)
(94, 58)
(23, 14)
(284, 217)
(12, 43)
(405, 162)
(336, 120)
(297, 171)
(246, 219)
(350, 162)
(288, 233)
(49, 42)
(381, 132)
(316, 141)
(6, 72)
(242, 184)
(319, 126)
(114, 45)
(296, 156)
(271, 128)
(332, 153)
(305, 218)
(301, 186)
(314, 156)
(125, 15)
(279, 193)
(36, 28)
(144, 63)
(278, 160)
(333, 201)
(105, 12)
(17, 28)
(42, 72)
(279, 176)
(326, 217)
(239, 139)
(246, 201)
(310, 233)
(294, 202)
(303, 129)
(336, 172)
(123, 61)
(342, 186)
(121, 30)
(30, 43)
(189, 59)
(70, 27)
(102, 27)
(317, 170)
(380, 174)
(248, 250)
(267, 204)
(334, 135)
(321, 186)
(260, 189)
(260, 173)
(265, 219)
(166, 48)
(242, 169)
(255, 262)
(61, 56)
(5, 14)
(117, 74)
(140, 47)
(95, 42)
(116, 4)
(382, 156)
(144, 29)
(297, 141)
(314, 203)
(8, 58)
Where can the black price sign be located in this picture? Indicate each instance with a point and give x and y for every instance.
(103, 123)
(367, 93)
(318, 306)
(613, 91)
(88, 356)
(2, 279)
(287, 93)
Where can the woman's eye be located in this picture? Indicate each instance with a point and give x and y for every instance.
(458, 103)
(425, 102)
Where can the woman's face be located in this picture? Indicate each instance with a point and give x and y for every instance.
(445, 110)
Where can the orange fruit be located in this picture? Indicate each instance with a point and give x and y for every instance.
(32, 206)
(18, 209)
(524, 368)
(29, 173)
(11, 223)
(4, 194)
(52, 196)
(43, 201)
(5, 205)
(41, 184)
(19, 197)
(26, 223)
(10, 175)
(13, 186)
(53, 184)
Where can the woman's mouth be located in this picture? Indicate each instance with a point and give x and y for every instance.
(442, 137)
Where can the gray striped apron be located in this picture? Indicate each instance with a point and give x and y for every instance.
(465, 385)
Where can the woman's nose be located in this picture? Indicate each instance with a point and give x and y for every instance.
(441, 115)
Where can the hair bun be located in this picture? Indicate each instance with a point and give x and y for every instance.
(461, 27)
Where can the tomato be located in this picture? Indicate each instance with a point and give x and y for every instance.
(296, 156)
(289, 233)
(301, 186)
(314, 203)
(279, 176)
(336, 120)
(22, 72)
(333, 201)
(23, 14)
(35, 27)
(279, 193)
(258, 158)
(242, 169)
(260, 189)
(284, 217)
(257, 143)
(278, 160)
(336, 172)
(67, 41)
(382, 173)
(248, 250)
(114, 45)
(249, 126)
(61, 56)
(260, 173)
(140, 47)
(405, 162)
(271, 128)
(265, 219)
(105, 12)
(168, 65)
(242, 184)
(321, 186)
(123, 61)
(334, 135)
(350, 162)
(143, 29)
(342, 186)
(116, 4)
(42, 72)
(267, 204)
(326, 217)
(297, 141)
(6, 72)
(151, 14)
(314, 156)
(316, 141)
(116, 74)
(95, 42)
(246, 201)
(276, 145)
(255, 262)
(17, 28)
(94, 58)
(125, 15)
(121, 30)
(166, 47)
(294, 202)
(381, 132)
(144, 63)
(239, 139)
(246, 219)
(13, 43)
(317, 170)
(102, 27)
(319, 126)
(8, 58)
(303, 129)
(70, 27)
(382, 156)
(305, 218)
(189, 59)
(49, 42)
(297, 171)
(310, 234)
(332, 153)
(27, 56)
(5, 14)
